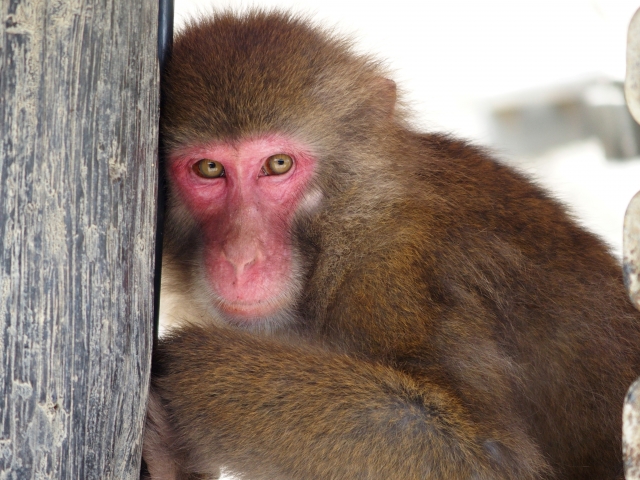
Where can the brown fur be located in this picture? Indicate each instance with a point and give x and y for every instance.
(455, 322)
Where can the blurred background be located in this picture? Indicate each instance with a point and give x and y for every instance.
(540, 83)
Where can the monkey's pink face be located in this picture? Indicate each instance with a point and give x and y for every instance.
(244, 196)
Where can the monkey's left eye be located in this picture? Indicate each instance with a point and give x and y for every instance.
(209, 168)
(277, 164)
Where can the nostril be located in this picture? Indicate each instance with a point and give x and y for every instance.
(242, 267)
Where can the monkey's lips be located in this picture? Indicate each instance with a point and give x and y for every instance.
(250, 308)
(250, 298)
(251, 311)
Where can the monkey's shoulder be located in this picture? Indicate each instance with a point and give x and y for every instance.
(474, 190)
(458, 197)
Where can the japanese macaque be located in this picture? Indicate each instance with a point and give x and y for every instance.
(359, 300)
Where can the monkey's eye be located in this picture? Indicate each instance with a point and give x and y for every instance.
(277, 164)
(209, 168)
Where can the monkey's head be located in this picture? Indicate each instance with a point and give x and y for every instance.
(262, 121)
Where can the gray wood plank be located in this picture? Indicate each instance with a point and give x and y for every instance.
(78, 175)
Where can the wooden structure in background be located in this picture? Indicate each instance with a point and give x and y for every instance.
(78, 175)
(631, 260)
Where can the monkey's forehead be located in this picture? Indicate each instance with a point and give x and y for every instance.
(231, 75)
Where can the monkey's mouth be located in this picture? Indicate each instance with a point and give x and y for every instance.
(251, 312)
(253, 294)
(259, 292)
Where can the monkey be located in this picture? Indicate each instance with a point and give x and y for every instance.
(357, 299)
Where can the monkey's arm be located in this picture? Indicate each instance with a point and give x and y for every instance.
(277, 411)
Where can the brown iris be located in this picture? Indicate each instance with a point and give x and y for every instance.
(207, 168)
(278, 164)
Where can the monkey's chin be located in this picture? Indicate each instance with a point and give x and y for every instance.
(252, 314)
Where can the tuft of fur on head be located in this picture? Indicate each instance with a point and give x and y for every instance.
(236, 75)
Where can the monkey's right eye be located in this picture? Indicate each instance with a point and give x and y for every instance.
(209, 168)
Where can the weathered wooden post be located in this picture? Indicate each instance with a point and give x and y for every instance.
(631, 260)
(78, 172)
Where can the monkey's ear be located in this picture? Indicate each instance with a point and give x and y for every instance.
(386, 95)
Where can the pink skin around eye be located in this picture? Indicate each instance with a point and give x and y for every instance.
(245, 218)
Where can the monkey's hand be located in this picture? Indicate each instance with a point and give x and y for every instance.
(266, 409)
(163, 459)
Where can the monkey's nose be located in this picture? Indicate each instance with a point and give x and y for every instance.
(242, 259)
(241, 266)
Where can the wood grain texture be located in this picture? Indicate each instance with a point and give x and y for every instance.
(78, 174)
